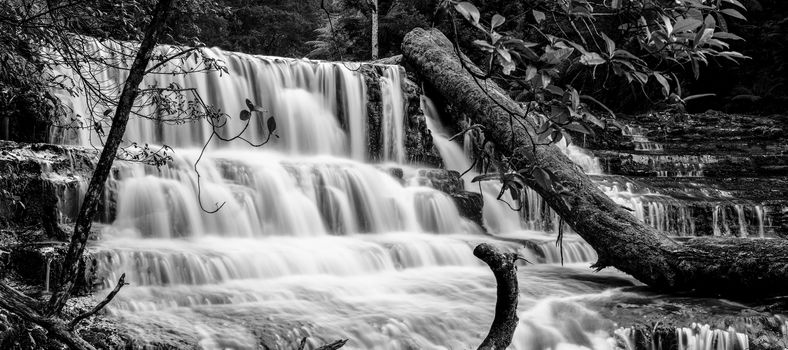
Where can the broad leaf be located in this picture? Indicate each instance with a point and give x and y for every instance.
(686, 24)
(578, 127)
(545, 79)
(662, 81)
(484, 45)
(250, 105)
(592, 59)
(497, 20)
(611, 46)
(555, 90)
(530, 72)
(539, 16)
(504, 54)
(559, 114)
(271, 123)
(733, 13)
(707, 33)
(737, 3)
(621, 53)
(732, 55)
(542, 178)
(710, 22)
(727, 36)
(554, 57)
(469, 11)
(486, 177)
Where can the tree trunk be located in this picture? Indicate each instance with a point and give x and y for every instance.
(731, 266)
(375, 18)
(90, 203)
(30, 309)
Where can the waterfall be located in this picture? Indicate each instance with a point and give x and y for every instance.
(498, 216)
(298, 229)
(393, 116)
(704, 337)
(300, 94)
(582, 158)
(313, 236)
(642, 143)
(694, 337)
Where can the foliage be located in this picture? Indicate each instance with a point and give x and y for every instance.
(67, 47)
(270, 27)
(570, 49)
(347, 36)
(760, 85)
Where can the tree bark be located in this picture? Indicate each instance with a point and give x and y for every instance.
(729, 266)
(90, 203)
(505, 321)
(375, 24)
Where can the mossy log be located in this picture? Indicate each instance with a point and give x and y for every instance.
(720, 266)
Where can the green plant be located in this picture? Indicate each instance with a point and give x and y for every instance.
(566, 44)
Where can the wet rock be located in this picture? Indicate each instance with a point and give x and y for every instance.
(40, 265)
(653, 321)
(714, 173)
(448, 181)
(396, 173)
(470, 205)
(42, 184)
(417, 138)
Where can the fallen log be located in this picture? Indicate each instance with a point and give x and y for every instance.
(723, 266)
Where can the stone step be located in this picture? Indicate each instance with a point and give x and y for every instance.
(635, 163)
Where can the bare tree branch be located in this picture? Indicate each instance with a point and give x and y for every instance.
(331, 346)
(505, 270)
(99, 306)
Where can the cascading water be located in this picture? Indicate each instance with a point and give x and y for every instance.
(499, 215)
(393, 129)
(309, 239)
(642, 143)
(582, 158)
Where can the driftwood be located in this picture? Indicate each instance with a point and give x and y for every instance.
(730, 266)
(331, 346)
(99, 306)
(505, 321)
(504, 268)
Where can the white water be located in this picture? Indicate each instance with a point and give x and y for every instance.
(499, 217)
(311, 240)
(642, 143)
(393, 128)
(704, 337)
(678, 217)
(582, 158)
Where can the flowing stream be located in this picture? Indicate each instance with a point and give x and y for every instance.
(311, 239)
